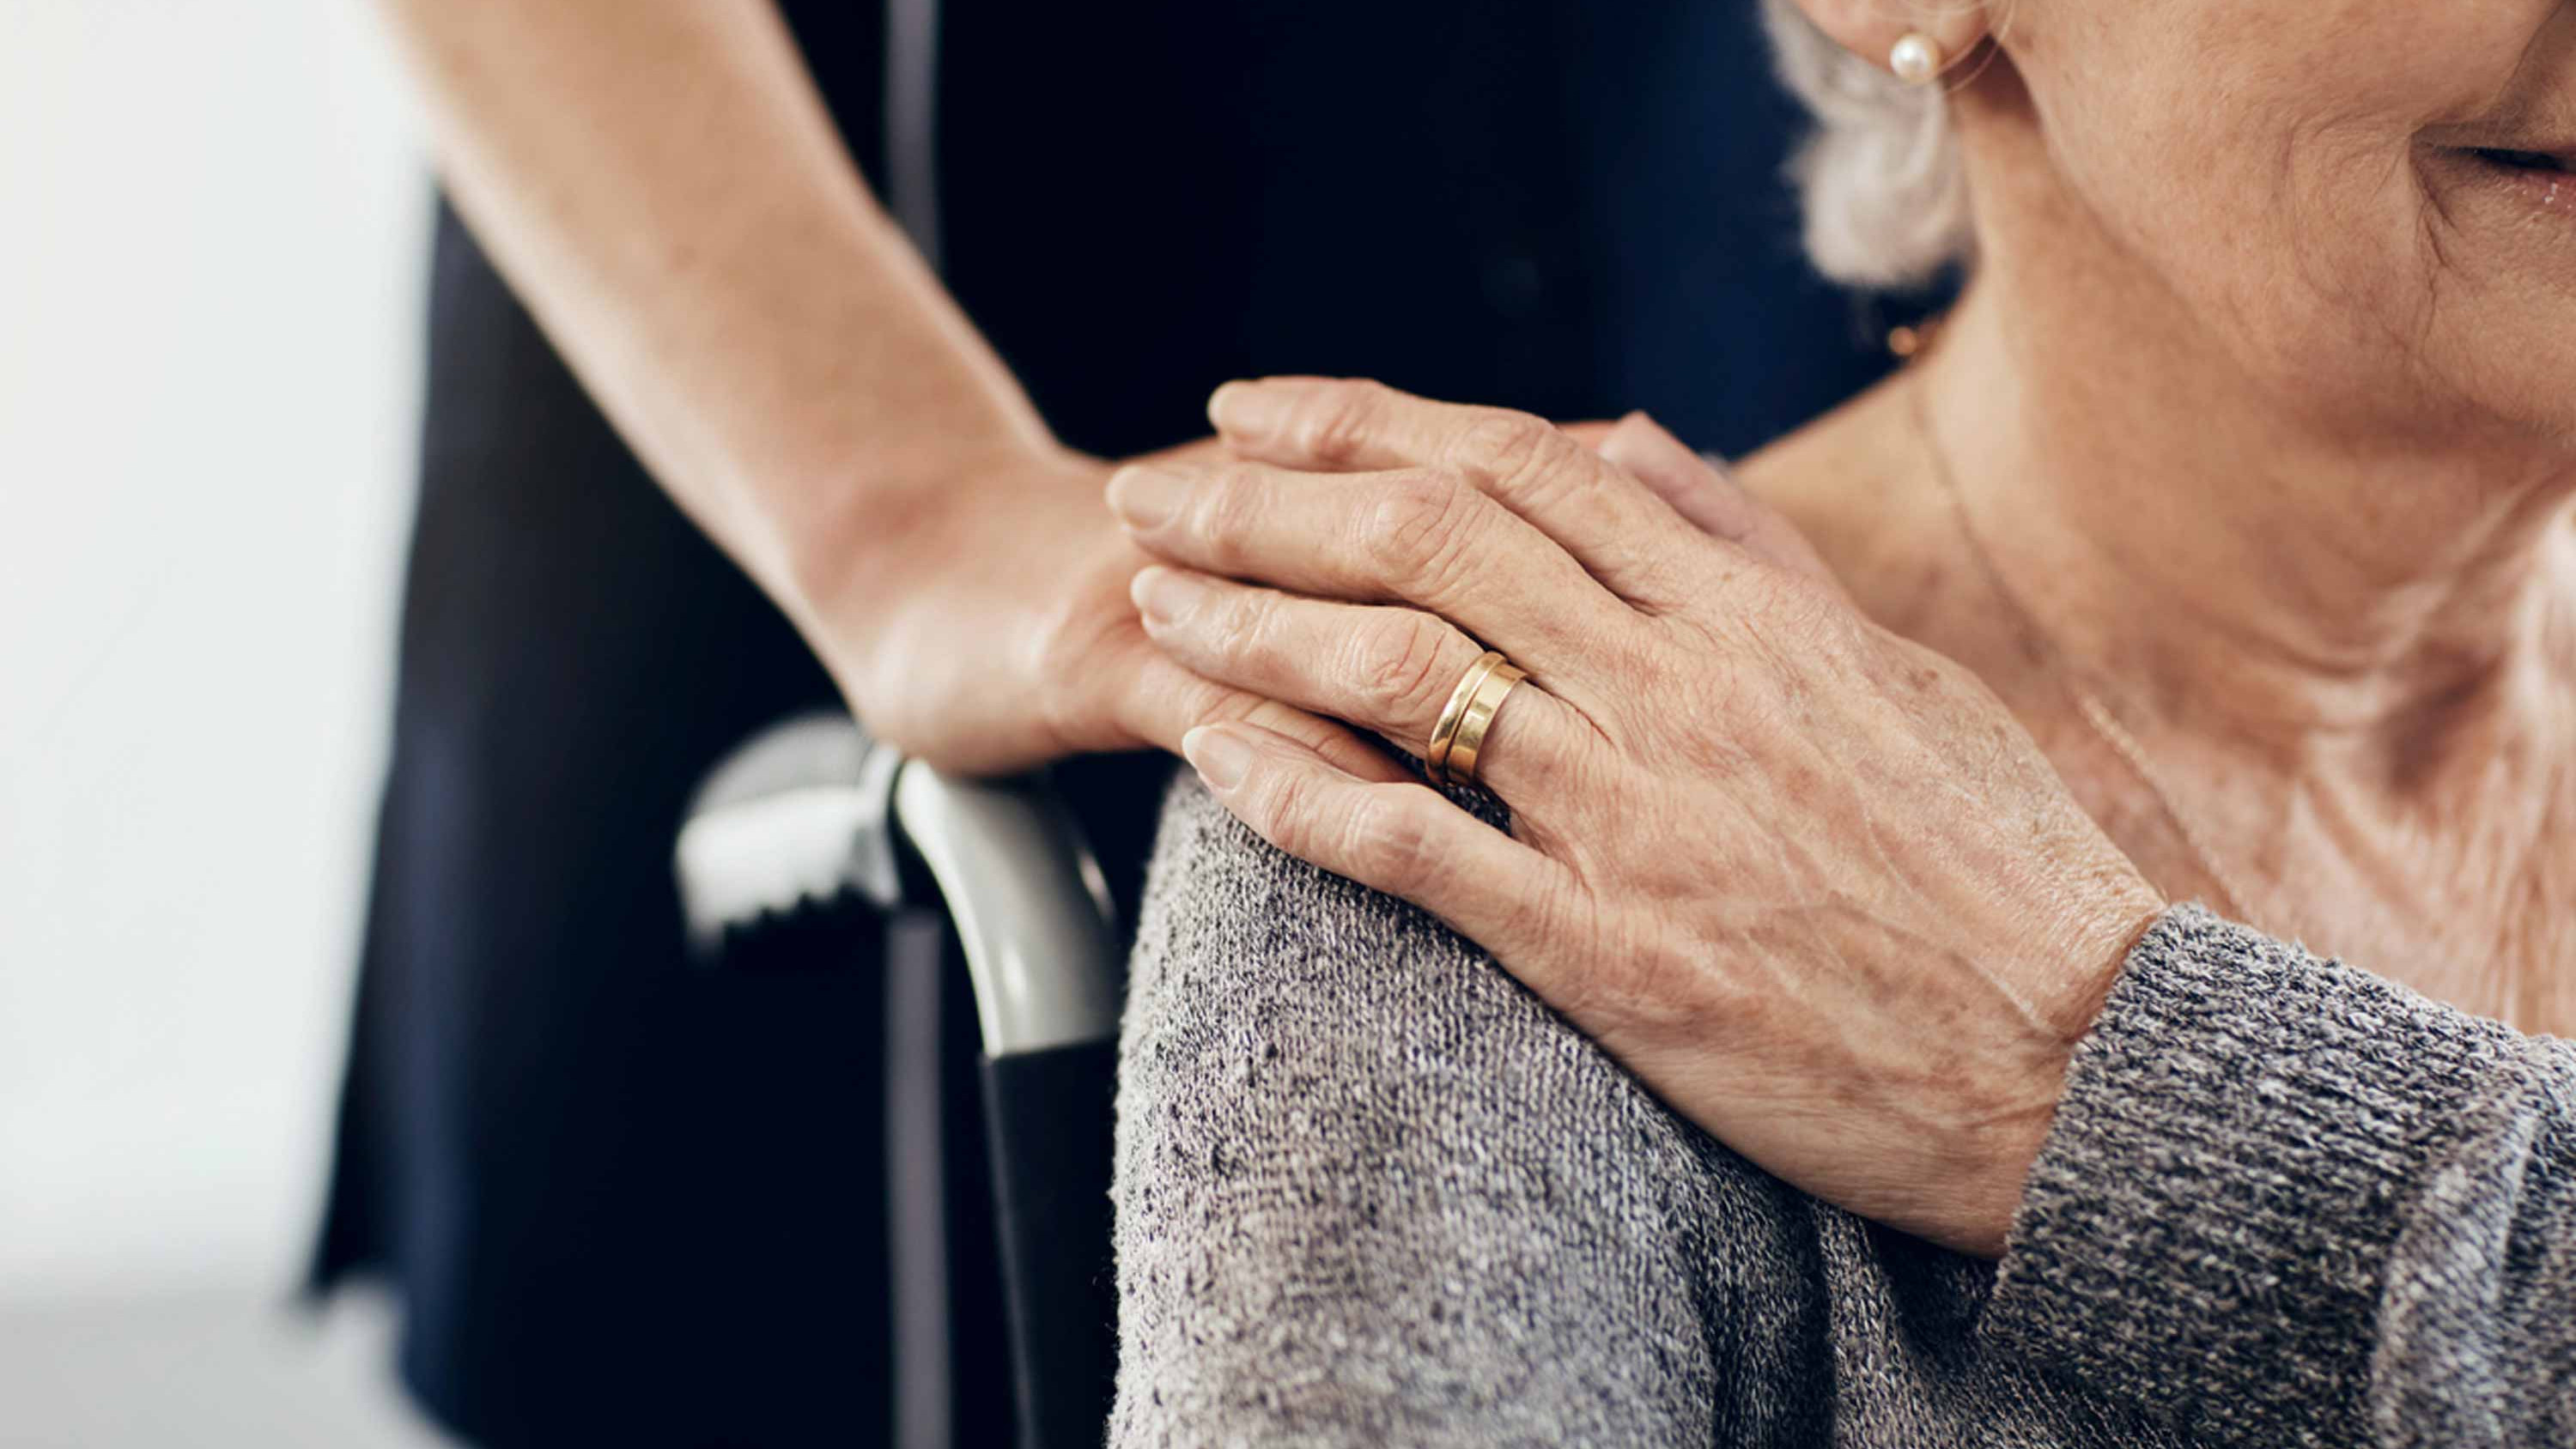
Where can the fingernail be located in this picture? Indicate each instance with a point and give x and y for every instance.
(1247, 409)
(1146, 497)
(1166, 595)
(1218, 755)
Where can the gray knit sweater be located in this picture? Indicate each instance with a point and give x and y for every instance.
(1370, 1191)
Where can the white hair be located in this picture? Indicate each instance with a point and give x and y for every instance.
(1886, 197)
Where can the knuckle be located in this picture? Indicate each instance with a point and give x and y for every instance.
(1501, 444)
(1225, 510)
(1420, 529)
(1388, 838)
(1283, 812)
(1243, 627)
(1334, 425)
(1401, 675)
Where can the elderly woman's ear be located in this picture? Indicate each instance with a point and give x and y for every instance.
(1916, 40)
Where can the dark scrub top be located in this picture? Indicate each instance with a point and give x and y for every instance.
(629, 1201)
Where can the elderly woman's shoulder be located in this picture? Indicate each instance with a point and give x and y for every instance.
(1262, 976)
(1371, 1190)
(1367, 1183)
(1287, 963)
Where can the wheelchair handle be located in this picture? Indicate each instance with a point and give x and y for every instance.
(811, 810)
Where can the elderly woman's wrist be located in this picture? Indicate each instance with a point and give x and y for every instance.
(2116, 929)
(2089, 967)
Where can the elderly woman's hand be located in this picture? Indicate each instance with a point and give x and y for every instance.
(1810, 882)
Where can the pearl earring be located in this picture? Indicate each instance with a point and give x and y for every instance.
(1916, 59)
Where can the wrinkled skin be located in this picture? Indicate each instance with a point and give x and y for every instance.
(1811, 882)
(2260, 397)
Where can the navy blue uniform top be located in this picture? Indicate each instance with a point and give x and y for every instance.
(631, 1202)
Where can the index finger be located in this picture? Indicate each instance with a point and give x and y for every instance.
(1624, 536)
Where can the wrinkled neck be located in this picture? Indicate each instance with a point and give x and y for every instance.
(2230, 564)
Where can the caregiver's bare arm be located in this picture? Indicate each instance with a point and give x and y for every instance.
(2289, 1202)
(661, 184)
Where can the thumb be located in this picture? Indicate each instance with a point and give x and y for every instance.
(1701, 491)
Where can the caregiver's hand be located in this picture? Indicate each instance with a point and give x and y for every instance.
(1812, 883)
(998, 634)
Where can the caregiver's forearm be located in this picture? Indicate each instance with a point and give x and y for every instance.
(2286, 1202)
(663, 187)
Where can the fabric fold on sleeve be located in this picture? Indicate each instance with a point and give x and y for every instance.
(2288, 1202)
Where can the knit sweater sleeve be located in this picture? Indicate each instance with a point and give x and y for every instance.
(2288, 1202)
(1369, 1191)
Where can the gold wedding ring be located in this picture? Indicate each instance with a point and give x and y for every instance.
(1459, 737)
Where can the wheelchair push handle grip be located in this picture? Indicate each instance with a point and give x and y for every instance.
(811, 813)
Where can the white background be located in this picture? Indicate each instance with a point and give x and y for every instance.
(212, 229)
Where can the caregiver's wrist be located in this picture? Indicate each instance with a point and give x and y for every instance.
(867, 536)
